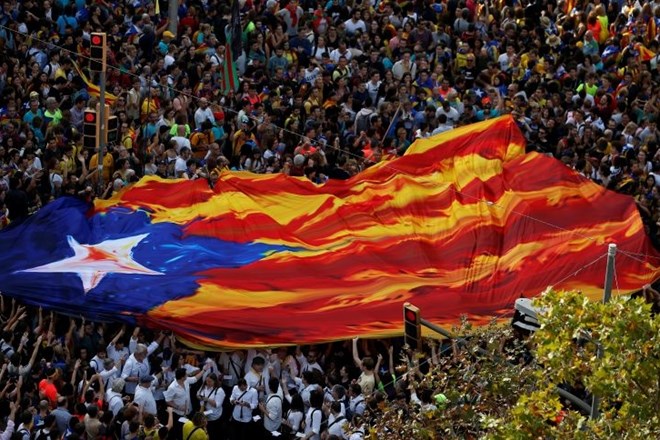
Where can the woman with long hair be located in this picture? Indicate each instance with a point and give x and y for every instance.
(211, 397)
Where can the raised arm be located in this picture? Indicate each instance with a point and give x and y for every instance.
(81, 330)
(170, 417)
(40, 324)
(356, 355)
(118, 336)
(133, 341)
(33, 358)
(74, 373)
(390, 354)
(68, 338)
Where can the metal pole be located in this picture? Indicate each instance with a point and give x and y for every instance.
(573, 399)
(607, 294)
(448, 335)
(609, 272)
(173, 15)
(391, 122)
(101, 119)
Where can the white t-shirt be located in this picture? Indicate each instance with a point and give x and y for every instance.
(336, 425)
(313, 423)
(351, 26)
(294, 418)
(273, 419)
(217, 395)
(179, 395)
(145, 398)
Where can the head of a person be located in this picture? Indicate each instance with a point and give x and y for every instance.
(212, 381)
(338, 392)
(242, 384)
(180, 374)
(140, 352)
(117, 385)
(273, 384)
(316, 399)
(258, 364)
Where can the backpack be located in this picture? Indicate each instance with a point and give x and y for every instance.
(41, 435)
(349, 411)
(362, 123)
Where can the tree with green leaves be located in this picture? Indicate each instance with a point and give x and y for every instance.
(497, 384)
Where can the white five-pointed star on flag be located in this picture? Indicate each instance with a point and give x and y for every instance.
(92, 262)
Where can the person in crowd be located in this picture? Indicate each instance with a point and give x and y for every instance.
(320, 95)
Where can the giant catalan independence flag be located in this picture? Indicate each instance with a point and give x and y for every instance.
(464, 223)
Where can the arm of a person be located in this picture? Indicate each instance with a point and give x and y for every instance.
(101, 387)
(106, 374)
(9, 430)
(168, 399)
(3, 392)
(74, 373)
(287, 395)
(68, 338)
(254, 399)
(153, 347)
(434, 354)
(218, 398)
(81, 330)
(128, 369)
(33, 358)
(377, 368)
(117, 337)
(302, 360)
(19, 318)
(132, 343)
(198, 375)
(170, 418)
(40, 324)
(414, 399)
(356, 356)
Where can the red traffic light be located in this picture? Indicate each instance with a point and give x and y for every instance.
(96, 40)
(90, 117)
(411, 315)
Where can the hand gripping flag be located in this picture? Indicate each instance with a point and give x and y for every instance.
(463, 224)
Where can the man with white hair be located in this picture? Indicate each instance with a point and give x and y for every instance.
(114, 398)
(137, 364)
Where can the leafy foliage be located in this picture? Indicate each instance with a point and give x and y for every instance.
(496, 390)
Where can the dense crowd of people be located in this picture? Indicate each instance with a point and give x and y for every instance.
(64, 378)
(327, 89)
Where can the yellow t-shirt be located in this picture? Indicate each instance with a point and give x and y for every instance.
(198, 434)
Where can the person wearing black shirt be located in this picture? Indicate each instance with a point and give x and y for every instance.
(16, 199)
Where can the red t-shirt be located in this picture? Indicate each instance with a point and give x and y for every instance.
(49, 391)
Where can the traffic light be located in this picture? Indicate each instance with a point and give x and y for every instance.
(91, 129)
(111, 125)
(97, 52)
(112, 129)
(412, 329)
